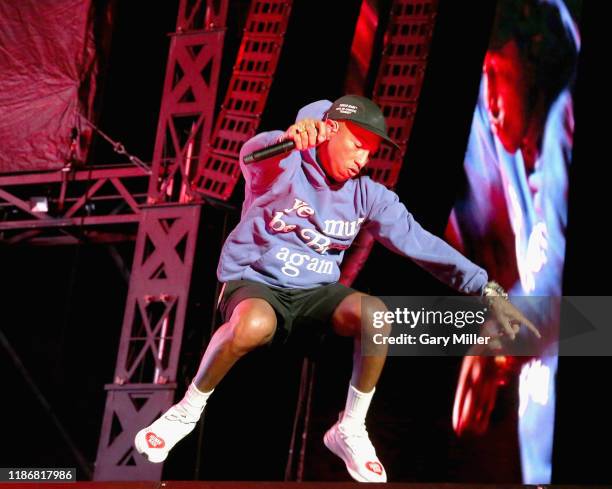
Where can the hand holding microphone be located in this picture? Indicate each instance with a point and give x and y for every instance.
(306, 133)
(302, 135)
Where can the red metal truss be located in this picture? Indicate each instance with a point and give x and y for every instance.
(145, 373)
(196, 15)
(399, 80)
(56, 207)
(219, 171)
(188, 100)
(150, 343)
(159, 287)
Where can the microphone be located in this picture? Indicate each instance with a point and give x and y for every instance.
(269, 151)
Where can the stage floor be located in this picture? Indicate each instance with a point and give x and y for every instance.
(276, 485)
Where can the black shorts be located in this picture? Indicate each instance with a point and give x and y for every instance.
(303, 314)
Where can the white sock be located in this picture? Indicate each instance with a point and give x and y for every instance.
(194, 401)
(357, 404)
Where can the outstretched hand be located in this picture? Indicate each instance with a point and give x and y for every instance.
(510, 318)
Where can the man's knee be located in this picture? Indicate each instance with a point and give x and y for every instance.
(356, 311)
(253, 324)
(373, 317)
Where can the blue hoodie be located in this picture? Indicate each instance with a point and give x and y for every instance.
(296, 223)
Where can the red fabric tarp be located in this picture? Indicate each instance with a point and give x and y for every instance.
(47, 76)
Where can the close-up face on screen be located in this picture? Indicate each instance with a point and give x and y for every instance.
(512, 215)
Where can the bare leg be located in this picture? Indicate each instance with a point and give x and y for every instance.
(347, 321)
(348, 438)
(252, 324)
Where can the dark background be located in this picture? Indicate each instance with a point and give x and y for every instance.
(62, 307)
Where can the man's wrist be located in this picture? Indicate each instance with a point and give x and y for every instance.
(492, 289)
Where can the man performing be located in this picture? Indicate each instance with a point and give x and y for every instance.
(281, 266)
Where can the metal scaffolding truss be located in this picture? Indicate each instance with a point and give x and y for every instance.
(400, 78)
(149, 347)
(67, 206)
(187, 106)
(194, 15)
(245, 98)
(145, 373)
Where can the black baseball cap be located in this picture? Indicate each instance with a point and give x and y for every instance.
(361, 111)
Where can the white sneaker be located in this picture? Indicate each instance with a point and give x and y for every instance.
(155, 441)
(354, 447)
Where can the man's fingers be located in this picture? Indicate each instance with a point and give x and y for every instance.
(294, 133)
(511, 313)
(517, 315)
(307, 133)
(303, 130)
(532, 328)
(507, 327)
(321, 131)
(311, 128)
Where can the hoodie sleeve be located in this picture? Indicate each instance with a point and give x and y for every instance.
(260, 175)
(391, 224)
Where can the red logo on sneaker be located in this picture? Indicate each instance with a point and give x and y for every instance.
(154, 441)
(374, 467)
